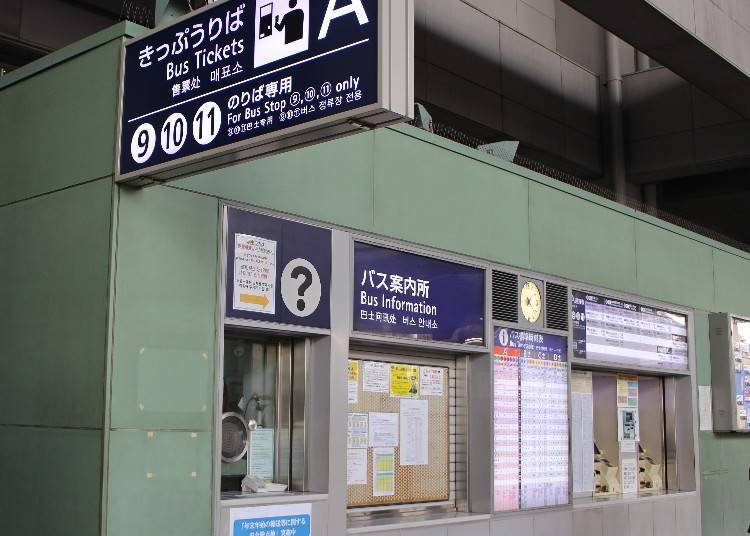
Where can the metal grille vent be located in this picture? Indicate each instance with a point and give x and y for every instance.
(504, 296)
(557, 306)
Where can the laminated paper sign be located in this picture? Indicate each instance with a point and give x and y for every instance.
(376, 376)
(431, 381)
(254, 274)
(404, 381)
(353, 381)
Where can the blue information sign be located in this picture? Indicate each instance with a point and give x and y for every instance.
(407, 295)
(289, 525)
(241, 70)
(277, 270)
(530, 345)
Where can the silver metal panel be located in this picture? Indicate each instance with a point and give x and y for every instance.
(641, 518)
(517, 525)
(687, 464)
(587, 522)
(722, 373)
(341, 312)
(300, 399)
(670, 435)
(283, 414)
(556, 523)
(480, 442)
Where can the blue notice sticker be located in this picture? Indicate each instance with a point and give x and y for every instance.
(291, 525)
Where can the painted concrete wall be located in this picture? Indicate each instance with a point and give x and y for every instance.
(118, 372)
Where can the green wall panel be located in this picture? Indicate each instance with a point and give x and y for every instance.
(159, 483)
(574, 238)
(54, 253)
(51, 481)
(702, 347)
(732, 283)
(673, 268)
(58, 127)
(165, 309)
(331, 182)
(435, 197)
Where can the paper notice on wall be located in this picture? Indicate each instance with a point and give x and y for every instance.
(375, 377)
(383, 429)
(254, 274)
(628, 447)
(353, 382)
(431, 381)
(628, 428)
(404, 381)
(260, 454)
(705, 408)
(383, 472)
(627, 391)
(629, 475)
(413, 433)
(356, 467)
(583, 431)
(357, 431)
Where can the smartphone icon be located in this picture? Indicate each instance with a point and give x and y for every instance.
(266, 21)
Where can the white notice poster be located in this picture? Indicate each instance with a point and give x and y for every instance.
(254, 274)
(260, 454)
(376, 377)
(383, 472)
(413, 432)
(431, 381)
(246, 521)
(583, 432)
(356, 467)
(383, 429)
(705, 412)
(629, 475)
(356, 433)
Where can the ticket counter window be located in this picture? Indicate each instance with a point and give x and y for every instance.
(619, 445)
(258, 424)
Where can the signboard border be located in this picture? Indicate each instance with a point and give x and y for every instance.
(400, 341)
(637, 300)
(390, 107)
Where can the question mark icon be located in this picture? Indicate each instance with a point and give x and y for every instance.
(307, 281)
(300, 287)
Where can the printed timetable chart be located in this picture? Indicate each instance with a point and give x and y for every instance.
(617, 331)
(506, 428)
(530, 420)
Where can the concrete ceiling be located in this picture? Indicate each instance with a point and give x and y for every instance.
(651, 31)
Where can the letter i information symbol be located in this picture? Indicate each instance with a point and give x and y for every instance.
(282, 29)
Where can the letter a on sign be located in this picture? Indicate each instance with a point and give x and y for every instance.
(332, 12)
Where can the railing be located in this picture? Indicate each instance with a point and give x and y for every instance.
(446, 131)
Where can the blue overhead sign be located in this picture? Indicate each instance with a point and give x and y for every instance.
(243, 73)
(277, 270)
(408, 295)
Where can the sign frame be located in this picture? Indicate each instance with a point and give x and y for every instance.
(622, 366)
(381, 339)
(394, 104)
(271, 324)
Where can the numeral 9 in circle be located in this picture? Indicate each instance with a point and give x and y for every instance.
(173, 133)
(143, 142)
(206, 123)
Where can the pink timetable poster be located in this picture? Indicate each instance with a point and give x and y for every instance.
(506, 428)
(530, 420)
